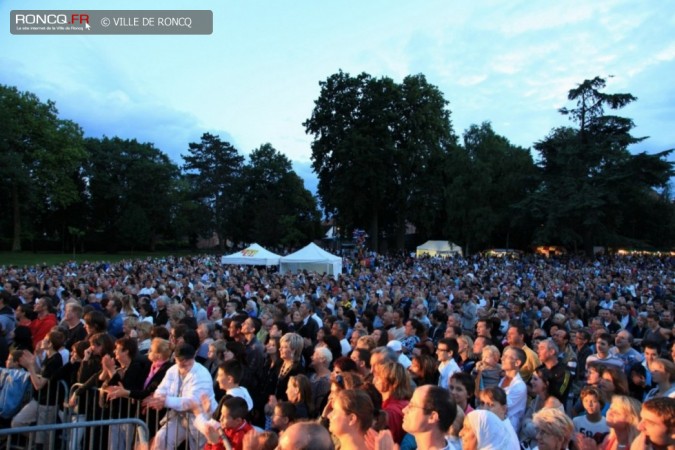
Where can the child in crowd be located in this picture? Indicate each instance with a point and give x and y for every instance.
(233, 425)
(283, 417)
(592, 424)
(462, 387)
(229, 376)
(488, 370)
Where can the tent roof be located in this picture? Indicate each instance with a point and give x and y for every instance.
(253, 255)
(312, 253)
(438, 246)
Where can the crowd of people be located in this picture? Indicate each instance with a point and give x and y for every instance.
(458, 353)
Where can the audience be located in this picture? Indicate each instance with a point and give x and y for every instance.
(352, 347)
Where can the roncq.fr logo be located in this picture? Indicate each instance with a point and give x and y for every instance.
(51, 19)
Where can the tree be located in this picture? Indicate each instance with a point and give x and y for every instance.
(489, 177)
(374, 142)
(275, 207)
(132, 190)
(213, 168)
(589, 176)
(38, 155)
(423, 135)
(349, 150)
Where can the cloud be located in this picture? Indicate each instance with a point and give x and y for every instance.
(532, 17)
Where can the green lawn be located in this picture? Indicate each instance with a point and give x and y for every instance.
(31, 259)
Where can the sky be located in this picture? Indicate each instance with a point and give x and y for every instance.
(255, 79)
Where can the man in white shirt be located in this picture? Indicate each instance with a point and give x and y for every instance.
(184, 382)
(516, 391)
(447, 349)
(339, 330)
(397, 332)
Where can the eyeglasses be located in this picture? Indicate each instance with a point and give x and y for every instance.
(412, 405)
(444, 350)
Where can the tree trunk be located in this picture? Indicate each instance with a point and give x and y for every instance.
(16, 211)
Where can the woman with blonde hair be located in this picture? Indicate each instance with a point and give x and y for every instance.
(392, 381)
(623, 418)
(128, 306)
(466, 360)
(554, 429)
(290, 351)
(366, 342)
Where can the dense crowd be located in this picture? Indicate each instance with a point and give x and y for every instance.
(397, 352)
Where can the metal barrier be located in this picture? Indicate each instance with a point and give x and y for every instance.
(93, 422)
(92, 406)
(41, 408)
(141, 430)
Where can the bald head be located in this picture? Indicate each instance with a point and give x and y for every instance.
(305, 436)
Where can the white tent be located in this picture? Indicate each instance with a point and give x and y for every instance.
(439, 248)
(253, 255)
(312, 258)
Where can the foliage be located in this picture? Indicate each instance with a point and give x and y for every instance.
(39, 153)
(374, 141)
(489, 176)
(590, 180)
(275, 206)
(213, 168)
(386, 157)
(131, 190)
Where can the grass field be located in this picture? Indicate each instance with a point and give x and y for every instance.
(22, 259)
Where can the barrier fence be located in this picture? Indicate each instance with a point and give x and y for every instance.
(61, 429)
(54, 418)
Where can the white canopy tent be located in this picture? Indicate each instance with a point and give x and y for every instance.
(312, 258)
(439, 248)
(253, 255)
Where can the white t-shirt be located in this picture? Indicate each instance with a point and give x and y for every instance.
(446, 369)
(595, 430)
(241, 392)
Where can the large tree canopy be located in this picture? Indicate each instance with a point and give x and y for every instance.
(39, 153)
(213, 168)
(386, 157)
(275, 207)
(591, 181)
(374, 145)
(487, 177)
(132, 190)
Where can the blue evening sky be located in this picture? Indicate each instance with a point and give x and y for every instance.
(254, 80)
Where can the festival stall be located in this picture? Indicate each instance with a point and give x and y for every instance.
(439, 248)
(253, 255)
(311, 258)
